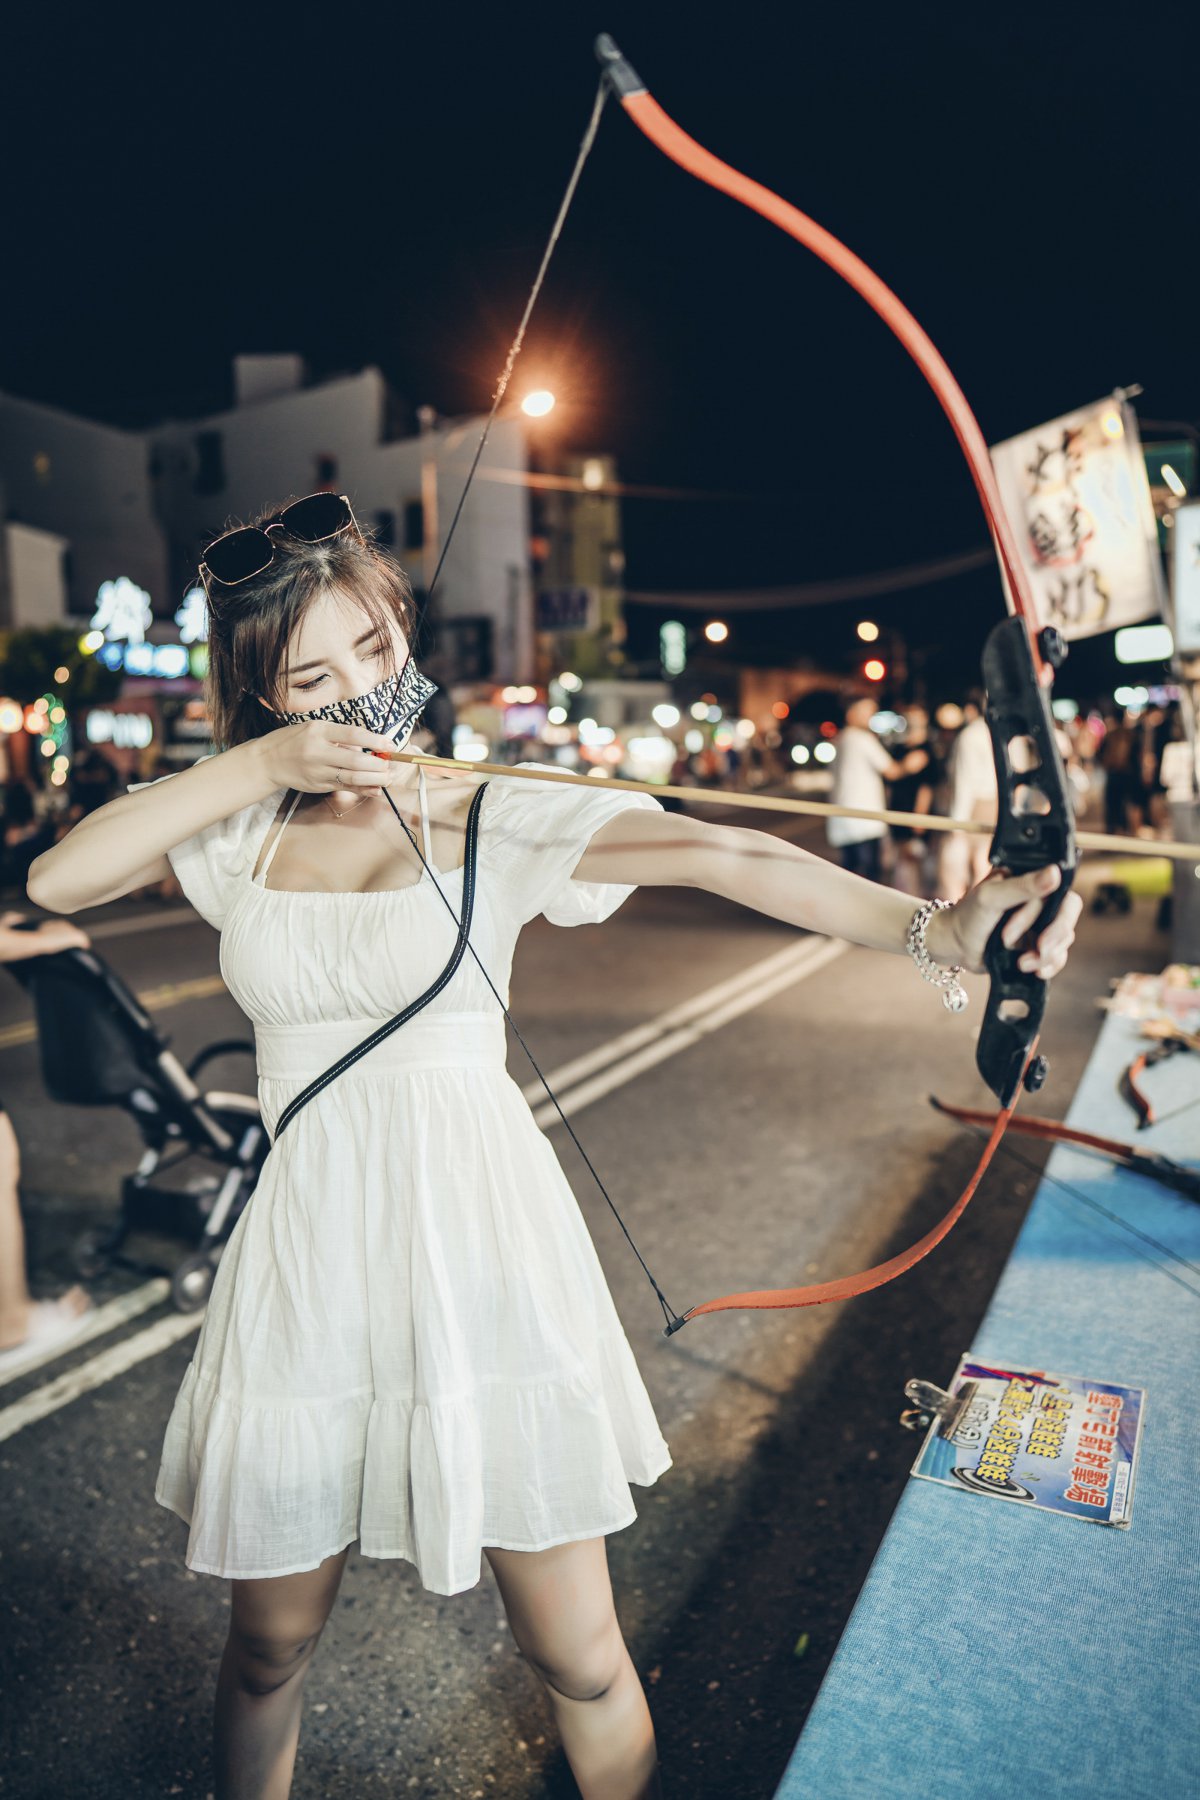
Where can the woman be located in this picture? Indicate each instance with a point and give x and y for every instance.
(410, 1342)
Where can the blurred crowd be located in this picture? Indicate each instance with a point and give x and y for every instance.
(943, 764)
(1114, 760)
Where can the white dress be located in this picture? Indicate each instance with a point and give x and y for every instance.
(410, 1340)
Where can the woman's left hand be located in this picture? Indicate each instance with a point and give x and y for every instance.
(967, 926)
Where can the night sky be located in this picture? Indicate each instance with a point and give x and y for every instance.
(362, 185)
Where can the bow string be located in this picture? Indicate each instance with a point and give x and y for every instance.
(1035, 824)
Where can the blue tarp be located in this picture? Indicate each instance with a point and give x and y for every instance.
(996, 1651)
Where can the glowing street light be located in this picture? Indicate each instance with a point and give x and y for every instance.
(716, 631)
(538, 403)
(867, 630)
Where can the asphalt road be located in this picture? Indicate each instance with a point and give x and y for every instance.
(792, 1142)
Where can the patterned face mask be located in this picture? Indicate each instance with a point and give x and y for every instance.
(391, 709)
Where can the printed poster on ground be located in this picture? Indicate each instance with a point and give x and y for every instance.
(1057, 1443)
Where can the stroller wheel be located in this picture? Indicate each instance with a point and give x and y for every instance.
(191, 1284)
(93, 1254)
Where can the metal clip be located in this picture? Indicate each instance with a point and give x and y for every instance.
(932, 1403)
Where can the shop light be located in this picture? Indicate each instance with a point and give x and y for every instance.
(745, 728)
(537, 404)
(715, 715)
(867, 630)
(825, 752)
(1131, 696)
(716, 631)
(90, 642)
(471, 750)
(598, 769)
(35, 721)
(526, 696)
(1111, 424)
(780, 709)
(665, 715)
(47, 746)
(593, 473)
(62, 673)
(11, 715)
(800, 753)
(557, 715)
(571, 682)
(693, 741)
(1172, 480)
(1144, 643)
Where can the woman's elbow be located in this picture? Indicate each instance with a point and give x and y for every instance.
(41, 889)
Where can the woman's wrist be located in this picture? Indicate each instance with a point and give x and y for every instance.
(256, 775)
(942, 940)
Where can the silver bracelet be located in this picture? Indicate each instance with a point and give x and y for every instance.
(954, 994)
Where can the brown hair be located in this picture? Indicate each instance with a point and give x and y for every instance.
(250, 625)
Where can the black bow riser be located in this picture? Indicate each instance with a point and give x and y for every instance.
(1035, 827)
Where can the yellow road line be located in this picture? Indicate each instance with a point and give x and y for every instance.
(174, 993)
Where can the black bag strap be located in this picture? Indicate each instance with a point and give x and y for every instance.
(464, 926)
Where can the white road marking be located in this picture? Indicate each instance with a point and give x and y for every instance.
(596, 1073)
(103, 1319)
(89, 1375)
(681, 1026)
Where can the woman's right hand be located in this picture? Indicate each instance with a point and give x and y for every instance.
(319, 755)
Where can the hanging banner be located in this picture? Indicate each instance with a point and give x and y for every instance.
(1078, 497)
(1185, 577)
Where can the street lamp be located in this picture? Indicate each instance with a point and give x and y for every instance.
(538, 403)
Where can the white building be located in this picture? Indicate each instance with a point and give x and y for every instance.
(143, 504)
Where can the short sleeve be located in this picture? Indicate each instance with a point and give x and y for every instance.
(212, 864)
(539, 831)
(878, 756)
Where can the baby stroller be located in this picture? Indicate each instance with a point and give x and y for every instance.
(99, 1047)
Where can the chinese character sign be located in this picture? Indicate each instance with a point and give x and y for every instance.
(122, 611)
(1185, 577)
(192, 617)
(1055, 1442)
(1078, 497)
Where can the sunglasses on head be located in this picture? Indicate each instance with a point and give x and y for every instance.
(237, 555)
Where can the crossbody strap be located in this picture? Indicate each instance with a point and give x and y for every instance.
(464, 926)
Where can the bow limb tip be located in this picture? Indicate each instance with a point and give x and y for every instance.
(621, 79)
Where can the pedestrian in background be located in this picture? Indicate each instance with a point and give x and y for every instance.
(860, 768)
(23, 835)
(914, 793)
(973, 796)
(1117, 754)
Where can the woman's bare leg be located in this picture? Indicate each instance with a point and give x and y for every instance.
(560, 1607)
(14, 1293)
(15, 1304)
(272, 1639)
